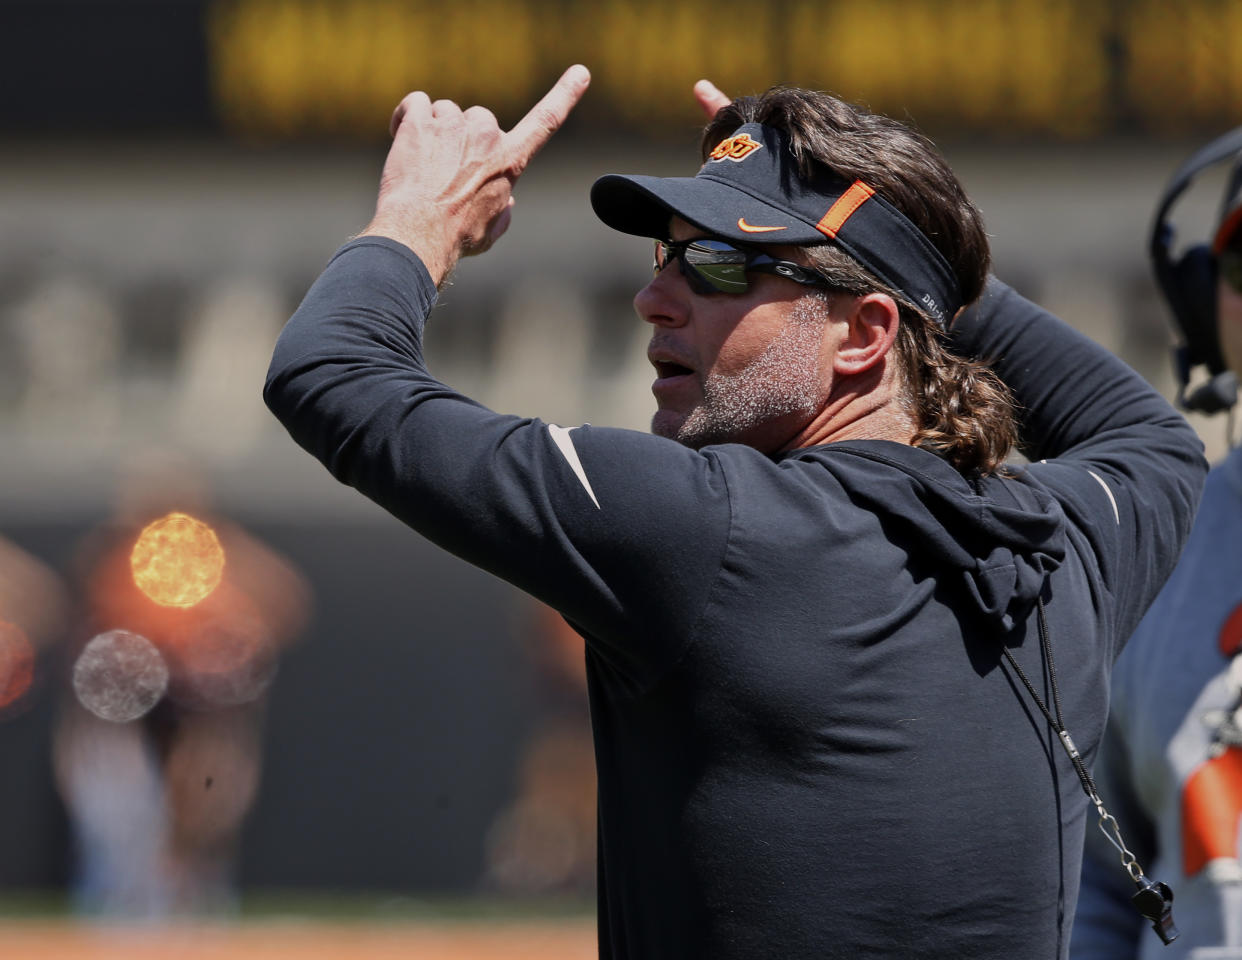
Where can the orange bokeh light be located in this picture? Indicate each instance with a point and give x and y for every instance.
(177, 561)
(16, 664)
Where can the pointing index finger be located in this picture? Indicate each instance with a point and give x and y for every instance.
(546, 117)
(710, 97)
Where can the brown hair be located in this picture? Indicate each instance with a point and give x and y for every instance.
(960, 407)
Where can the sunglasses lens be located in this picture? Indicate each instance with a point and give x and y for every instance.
(721, 267)
(709, 266)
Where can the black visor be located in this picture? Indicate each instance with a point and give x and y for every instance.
(749, 191)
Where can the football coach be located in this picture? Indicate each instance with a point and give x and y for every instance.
(800, 593)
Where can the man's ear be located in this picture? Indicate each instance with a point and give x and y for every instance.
(872, 330)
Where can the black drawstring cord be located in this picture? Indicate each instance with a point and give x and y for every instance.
(1154, 900)
(1057, 724)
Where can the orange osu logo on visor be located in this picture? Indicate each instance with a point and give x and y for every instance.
(736, 148)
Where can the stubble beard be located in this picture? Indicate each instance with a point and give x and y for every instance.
(784, 380)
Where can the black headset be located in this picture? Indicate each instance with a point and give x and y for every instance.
(1189, 284)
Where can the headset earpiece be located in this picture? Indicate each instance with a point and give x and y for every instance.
(1194, 283)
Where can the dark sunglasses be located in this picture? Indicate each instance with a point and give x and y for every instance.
(717, 266)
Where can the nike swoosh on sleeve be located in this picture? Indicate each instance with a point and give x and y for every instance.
(1111, 498)
(565, 443)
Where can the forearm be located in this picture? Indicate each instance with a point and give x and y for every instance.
(1072, 394)
(559, 513)
(359, 326)
(349, 383)
(1126, 468)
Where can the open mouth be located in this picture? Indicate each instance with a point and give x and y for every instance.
(666, 369)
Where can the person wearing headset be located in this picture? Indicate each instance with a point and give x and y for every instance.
(1171, 760)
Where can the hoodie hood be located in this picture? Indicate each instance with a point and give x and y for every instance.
(997, 538)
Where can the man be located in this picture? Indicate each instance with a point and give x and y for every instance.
(1172, 752)
(807, 742)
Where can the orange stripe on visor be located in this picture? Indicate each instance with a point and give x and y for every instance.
(853, 198)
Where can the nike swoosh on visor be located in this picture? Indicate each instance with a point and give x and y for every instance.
(749, 228)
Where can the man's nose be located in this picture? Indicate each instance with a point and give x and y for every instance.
(664, 300)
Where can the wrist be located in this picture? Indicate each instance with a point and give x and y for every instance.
(437, 258)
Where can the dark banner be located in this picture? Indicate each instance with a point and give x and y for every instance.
(299, 69)
(103, 66)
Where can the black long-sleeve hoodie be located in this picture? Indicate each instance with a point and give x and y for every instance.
(807, 744)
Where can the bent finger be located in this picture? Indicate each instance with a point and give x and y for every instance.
(445, 108)
(416, 104)
(545, 117)
(480, 116)
(481, 123)
(710, 98)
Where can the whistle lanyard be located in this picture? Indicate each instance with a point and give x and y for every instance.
(1153, 899)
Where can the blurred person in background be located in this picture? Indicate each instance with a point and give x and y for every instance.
(809, 599)
(1171, 758)
(543, 840)
(33, 615)
(158, 775)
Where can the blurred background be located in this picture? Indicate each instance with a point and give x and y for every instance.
(335, 707)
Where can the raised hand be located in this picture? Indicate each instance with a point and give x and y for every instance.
(710, 98)
(446, 189)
